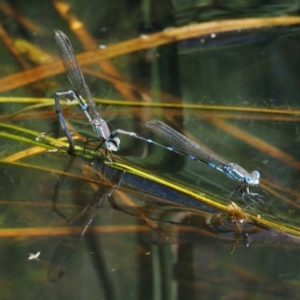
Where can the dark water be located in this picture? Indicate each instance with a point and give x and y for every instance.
(121, 256)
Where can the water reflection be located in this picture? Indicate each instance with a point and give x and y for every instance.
(68, 245)
(168, 215)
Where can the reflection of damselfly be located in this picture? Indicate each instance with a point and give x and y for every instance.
(182, 225)
(181, 219)
(68, 244)
(82, 94)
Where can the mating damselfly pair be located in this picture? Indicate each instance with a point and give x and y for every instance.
(174, 140)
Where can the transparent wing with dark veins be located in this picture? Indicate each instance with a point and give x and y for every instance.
(75, 75)
(184, 145)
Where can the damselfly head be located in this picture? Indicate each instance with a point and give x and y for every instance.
(113, 144)
(253, 178)
(255, 175)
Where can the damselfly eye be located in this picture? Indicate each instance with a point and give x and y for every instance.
(248, 179)
(113, 145)
(255, 175)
